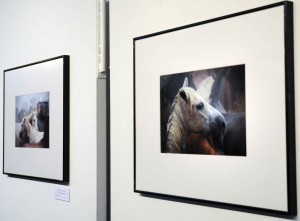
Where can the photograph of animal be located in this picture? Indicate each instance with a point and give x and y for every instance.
(203, 112)
(33, 129)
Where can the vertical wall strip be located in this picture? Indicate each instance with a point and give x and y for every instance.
(103, 122)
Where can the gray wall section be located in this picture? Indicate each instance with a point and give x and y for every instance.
(101, 153)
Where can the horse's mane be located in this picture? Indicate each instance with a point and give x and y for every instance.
(174, 102)
(175, 128)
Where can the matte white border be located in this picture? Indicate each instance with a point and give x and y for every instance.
(257, 180)
(36, 162)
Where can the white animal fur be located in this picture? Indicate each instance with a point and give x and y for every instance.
(185, 118)
(33, 134)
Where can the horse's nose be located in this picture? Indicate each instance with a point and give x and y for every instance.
(218, 123)
(218, 129)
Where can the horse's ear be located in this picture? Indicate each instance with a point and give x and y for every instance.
(186, 82)
(184, 95)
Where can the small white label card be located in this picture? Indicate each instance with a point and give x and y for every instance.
(62, 193)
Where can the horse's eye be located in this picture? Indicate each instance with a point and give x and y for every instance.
(200, 106)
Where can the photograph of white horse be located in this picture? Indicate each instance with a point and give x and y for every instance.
(32, 120)
(203, 112)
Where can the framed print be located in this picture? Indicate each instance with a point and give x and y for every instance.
(36, 120)
(214, 111)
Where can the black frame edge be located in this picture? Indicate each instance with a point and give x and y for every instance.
(134, 122)
(216, 204)
(212, 20)
(34, 63)
(66, 121)
(3, 117)
(290, 107)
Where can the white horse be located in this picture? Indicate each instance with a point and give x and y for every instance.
(191, 114)
(30, 126)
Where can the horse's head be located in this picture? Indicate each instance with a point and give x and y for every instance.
(23, 135)
(201, 117)
(31, 121)
(34, 121)
(29, 127)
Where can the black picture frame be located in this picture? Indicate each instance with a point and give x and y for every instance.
(37, 92)
(150, 51)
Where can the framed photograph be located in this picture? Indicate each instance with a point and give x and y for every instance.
(214, 112)
(36, 120)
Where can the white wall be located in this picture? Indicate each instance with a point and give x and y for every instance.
(34, 30)
(134, 18)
